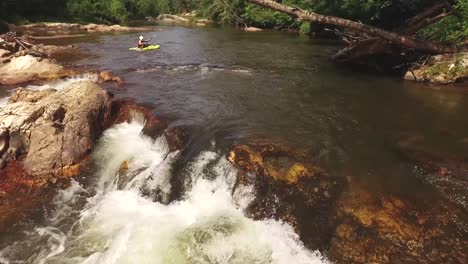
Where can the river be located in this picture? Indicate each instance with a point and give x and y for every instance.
(227, 86)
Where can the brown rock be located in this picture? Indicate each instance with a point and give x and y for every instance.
(289, 188)
(4, 53)
(446, 172)
(56, 129)
(124, 167)
(376, 228)
(26, 68)
(107, 76)
(48, 135)
(32, 96)
(126, 110)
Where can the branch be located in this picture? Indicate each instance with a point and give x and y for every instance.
(403, 40)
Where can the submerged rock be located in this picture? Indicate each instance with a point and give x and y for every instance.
(442, 69)
(108, 76)
(288, 187)
(446, 173)
(381, 228)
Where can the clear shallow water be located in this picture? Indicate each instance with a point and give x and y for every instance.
(226, 86)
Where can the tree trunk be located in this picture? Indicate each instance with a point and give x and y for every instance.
(374, 46)
(403, 40)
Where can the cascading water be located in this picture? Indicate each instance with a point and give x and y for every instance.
(125, 217)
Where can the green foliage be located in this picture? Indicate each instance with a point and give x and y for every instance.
(267, 18)
(223, 11)
(305, 28)
(388, 14)
(453, 28)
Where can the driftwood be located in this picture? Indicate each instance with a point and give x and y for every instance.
(403, 39)
(17, 46)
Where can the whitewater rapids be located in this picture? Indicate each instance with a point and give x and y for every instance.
(126, 217)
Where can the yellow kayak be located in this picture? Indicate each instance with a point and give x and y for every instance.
(150, 47)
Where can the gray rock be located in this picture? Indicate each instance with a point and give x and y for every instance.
(56, 129)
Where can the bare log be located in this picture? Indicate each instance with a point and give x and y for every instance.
(395, 38)
(375, 46)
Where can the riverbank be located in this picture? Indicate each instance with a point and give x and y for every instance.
(52, 29)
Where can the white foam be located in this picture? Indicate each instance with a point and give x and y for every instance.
(56, 241)
(206, 227)
(123, 225)
(60, 84)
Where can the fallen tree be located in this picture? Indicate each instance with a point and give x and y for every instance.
(402, 38)
(365, 47)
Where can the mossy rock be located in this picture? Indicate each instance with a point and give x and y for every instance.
(442, 69)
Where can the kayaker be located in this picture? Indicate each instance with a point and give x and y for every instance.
(142, 43)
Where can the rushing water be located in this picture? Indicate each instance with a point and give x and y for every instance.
(118, 224)
(224, 86)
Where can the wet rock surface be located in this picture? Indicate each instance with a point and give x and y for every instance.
(346, 221)
(126, 110)
(290, 188)
(45, 139)
(56, 129)
(376, 228)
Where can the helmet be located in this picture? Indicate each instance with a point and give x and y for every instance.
(141, 37)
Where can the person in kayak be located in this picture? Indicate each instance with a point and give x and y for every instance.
(142, 43)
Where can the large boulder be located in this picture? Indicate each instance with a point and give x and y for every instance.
(56, 130)
(45, 138)
(26, 68)
(289, 187)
